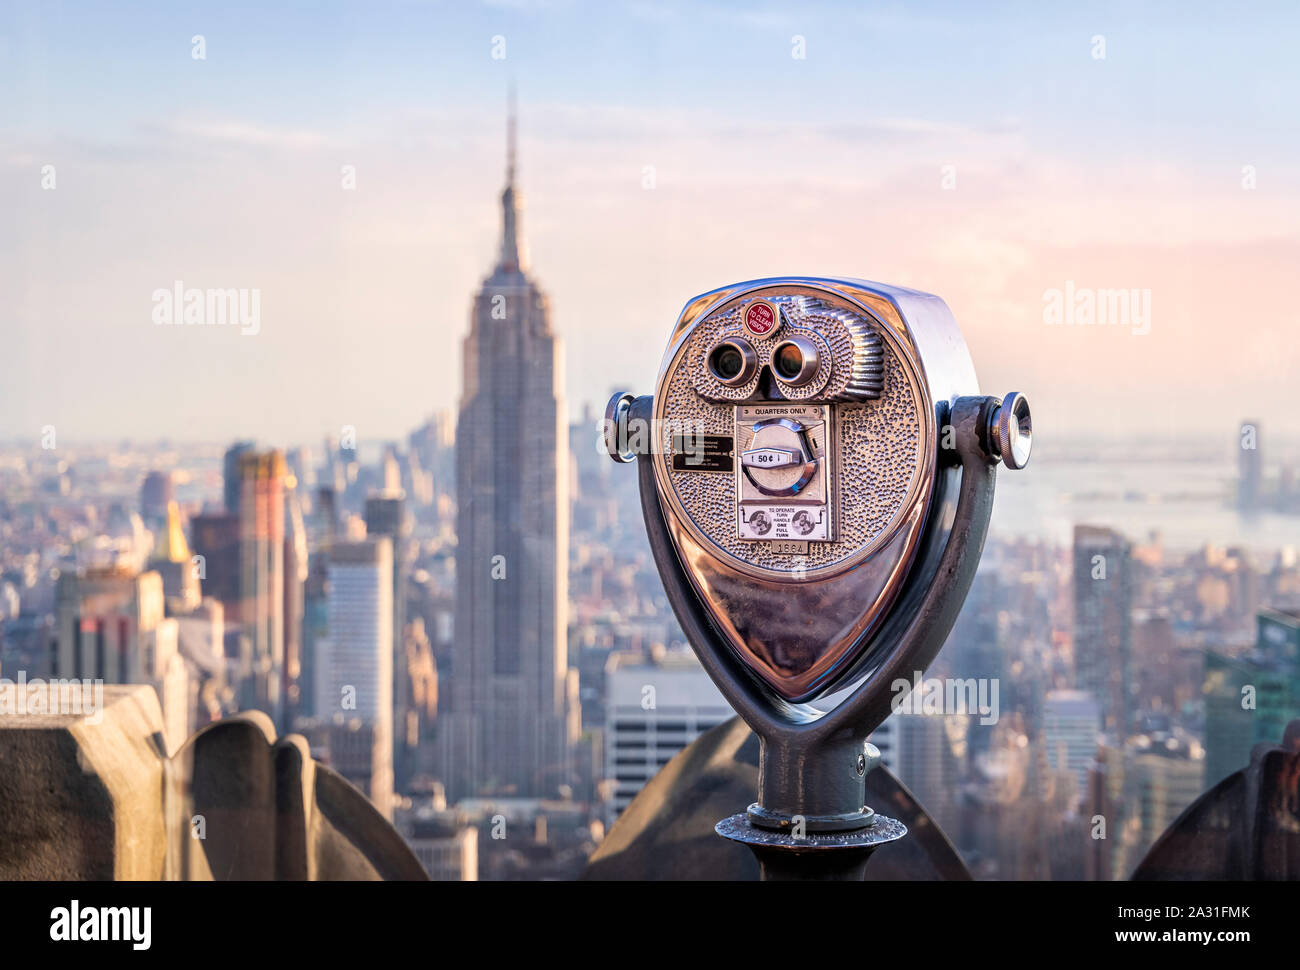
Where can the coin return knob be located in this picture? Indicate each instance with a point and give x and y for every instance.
(779, 460)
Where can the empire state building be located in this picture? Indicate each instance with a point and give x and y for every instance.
(513, 700)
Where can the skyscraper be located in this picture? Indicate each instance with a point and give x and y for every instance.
(511, 689)
(171, 560)
(358, 681)
(975, 648)
(112, 627)
(1103, 596)
(1250, 698)
(385, 514)
(230, 469)
(295, 581)
(1071, 732)
(315, 634)
(156, 493)
(925, 760)
(1160, 780)
(653, 710)
(215, 539)
(254, 564)
(261, 479)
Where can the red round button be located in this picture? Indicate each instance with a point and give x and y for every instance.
(760, 318)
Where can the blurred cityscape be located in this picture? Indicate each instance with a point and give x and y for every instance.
(467, 624)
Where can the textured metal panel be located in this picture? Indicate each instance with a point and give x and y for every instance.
(880, 448)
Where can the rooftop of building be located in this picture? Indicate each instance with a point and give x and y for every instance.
(1289, 613)
(1078, 703)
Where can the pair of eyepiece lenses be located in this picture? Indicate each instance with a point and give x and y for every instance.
(733, 361)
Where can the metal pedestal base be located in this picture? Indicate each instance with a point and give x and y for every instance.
(818, 855)
(761, 818)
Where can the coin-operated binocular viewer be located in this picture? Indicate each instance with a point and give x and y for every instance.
(816, 469)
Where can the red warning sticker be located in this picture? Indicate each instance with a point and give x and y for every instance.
(760, 318)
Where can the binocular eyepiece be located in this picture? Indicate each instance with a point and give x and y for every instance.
(795, 348)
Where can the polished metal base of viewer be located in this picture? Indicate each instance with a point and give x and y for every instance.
(816, 855)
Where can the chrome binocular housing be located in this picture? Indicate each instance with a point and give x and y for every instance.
(816, 470)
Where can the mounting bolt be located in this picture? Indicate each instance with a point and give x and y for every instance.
(1011, 431)
(614, 427)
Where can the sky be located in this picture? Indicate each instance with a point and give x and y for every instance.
(994, 154)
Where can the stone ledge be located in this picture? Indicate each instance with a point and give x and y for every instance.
(94, 796)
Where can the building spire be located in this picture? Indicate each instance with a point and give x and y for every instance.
(512, 250)
(511, 111)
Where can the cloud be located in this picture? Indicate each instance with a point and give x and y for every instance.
(245, 133)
